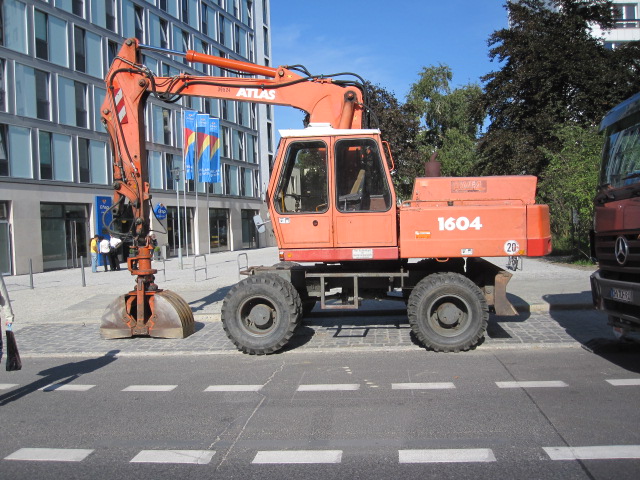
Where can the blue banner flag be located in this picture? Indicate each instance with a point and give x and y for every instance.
(214, 147)
(204, 160)
(189, 143)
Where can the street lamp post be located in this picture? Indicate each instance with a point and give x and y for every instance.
(176, 173)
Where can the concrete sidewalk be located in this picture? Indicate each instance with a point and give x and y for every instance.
(60, 316)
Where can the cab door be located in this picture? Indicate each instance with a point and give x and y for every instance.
(365, 204)
(300, 200)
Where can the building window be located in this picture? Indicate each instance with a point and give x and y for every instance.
(32, 92)
(45, 155)
(42, 34)
(158, 31)
(19, 152)
(226, 142)
(266, 40)
(139, 22)
(204, 20)
(92, 161)
(13, 23)
(221, 30)
(161, 125)
(4, 157)
(79, 46)
(233, 187)
(87, 52)
(3, 86)
(626, 15)
(252, 149)
(155, 169)
(103, 14)
(72, 98)
(248, 13)
(72, 6)
(56, 159)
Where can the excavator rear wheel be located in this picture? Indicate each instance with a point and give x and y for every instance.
(448, 312)
(260, 313)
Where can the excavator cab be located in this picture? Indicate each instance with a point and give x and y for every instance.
(331, 195)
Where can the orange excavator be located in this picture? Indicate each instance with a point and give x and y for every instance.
(342, 234)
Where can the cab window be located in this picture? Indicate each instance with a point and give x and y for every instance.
(303, 186)
(361, 181)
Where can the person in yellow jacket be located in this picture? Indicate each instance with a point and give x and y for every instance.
(94, 253)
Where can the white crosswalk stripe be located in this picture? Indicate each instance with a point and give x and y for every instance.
(326, 387)
(50, 454)
(602, 452)
(446, 455)
(233, 388)
(624, 382)
(423, 386)
(298, 456)
(533, 384)
(7, 386)
(195, 457)
(71, 387)
(149, 388)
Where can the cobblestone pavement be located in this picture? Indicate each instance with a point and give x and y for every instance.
(61, 317)
(387, 330)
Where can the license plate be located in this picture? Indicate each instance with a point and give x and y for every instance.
(621, 295)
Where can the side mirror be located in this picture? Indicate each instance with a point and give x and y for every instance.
(260, 224)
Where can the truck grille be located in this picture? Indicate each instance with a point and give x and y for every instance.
(605, 252)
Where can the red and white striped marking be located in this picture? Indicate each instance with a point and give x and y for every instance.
(121, 109)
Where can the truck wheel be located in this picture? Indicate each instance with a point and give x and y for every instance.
(447, 312)
(260, 313)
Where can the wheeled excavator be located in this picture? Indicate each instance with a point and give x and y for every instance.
(343, 236)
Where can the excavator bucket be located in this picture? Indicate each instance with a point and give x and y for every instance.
(171, 317)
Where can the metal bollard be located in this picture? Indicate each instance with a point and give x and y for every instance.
(84, 283)
(31, 274)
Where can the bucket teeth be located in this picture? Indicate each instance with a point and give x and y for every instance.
(172, 318)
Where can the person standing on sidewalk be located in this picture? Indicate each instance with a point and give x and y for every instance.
(5, 306)
(114, 244)
(104, 251)
(94, 253)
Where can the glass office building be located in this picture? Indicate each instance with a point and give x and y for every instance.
(55, 159)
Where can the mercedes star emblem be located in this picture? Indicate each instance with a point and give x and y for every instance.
(621, 250)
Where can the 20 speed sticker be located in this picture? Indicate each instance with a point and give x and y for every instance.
(511, 247)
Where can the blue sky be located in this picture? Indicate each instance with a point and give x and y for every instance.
(385, 42)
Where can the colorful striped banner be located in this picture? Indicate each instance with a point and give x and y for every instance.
(189, 143)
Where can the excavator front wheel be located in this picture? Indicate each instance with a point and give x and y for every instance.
(448, 312)
(260, 313)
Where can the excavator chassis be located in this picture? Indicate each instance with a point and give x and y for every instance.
(448, 300)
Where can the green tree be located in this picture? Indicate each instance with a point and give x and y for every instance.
(399, 125)
(553, 72)
(569, 182)
(451, 119)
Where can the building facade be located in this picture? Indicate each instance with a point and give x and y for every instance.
(626, 28)
(55, 158)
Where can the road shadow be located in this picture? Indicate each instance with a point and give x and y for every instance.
(215, 297)
(569, 301)
(54, 377)
(589, 327)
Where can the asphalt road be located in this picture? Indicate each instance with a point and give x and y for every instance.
(364, 414)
